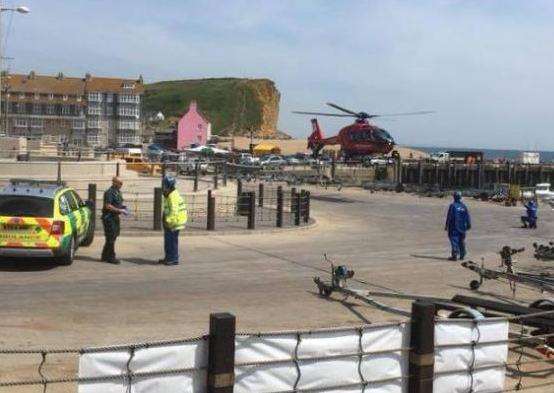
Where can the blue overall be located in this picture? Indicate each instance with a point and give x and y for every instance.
(531, 218)
(458, 222)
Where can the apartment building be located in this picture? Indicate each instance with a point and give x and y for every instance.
(92, 111)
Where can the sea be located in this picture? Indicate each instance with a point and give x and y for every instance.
(491, 154)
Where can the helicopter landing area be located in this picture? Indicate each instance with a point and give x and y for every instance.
(392, 241)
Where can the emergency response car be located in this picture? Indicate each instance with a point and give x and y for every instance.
(43, 219)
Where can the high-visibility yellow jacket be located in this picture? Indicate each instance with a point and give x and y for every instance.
(175, 211)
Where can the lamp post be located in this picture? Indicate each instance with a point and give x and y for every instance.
(20, 10)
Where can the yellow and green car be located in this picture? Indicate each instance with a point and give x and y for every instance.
(43, 219)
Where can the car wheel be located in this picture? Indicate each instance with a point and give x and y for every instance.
(67, 258)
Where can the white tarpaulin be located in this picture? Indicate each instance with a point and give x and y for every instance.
(336, 361)
(147, 360)
(323, 360)
(454, 351)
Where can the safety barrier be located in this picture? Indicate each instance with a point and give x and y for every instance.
(423, 355)
(250, 208)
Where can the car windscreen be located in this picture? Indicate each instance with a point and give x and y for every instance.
(26, 206)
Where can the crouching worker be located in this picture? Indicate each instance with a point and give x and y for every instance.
(174, 219)
(458, 222)
(530, 220)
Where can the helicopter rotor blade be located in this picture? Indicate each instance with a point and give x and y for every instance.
(340, 108)
(322, 114)
(402, 114)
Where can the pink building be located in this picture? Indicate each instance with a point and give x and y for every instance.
(192, 128)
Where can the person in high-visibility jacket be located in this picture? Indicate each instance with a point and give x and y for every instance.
(174, 219)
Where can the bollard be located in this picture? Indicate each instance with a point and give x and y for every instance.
(297, 209)
(261, 195)
(292, 199)
(305, 205)
(279, 222)
(92, 199)
(225, 174)
(216, 176)
(59, 180)
(117, 172)
(239, 188)
(221, 355)
(422, 352)
(333, 168)
(210, 225)
(251, 210)
(196, 173)
(157, 208)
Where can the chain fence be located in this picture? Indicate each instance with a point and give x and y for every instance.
(468, 356)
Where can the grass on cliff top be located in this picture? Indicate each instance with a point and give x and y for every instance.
(229, 104)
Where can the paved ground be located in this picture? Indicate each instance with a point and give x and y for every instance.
(391, 240)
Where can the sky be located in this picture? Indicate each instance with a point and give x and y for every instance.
(485, 67)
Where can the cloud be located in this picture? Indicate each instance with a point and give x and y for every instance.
(485, 67)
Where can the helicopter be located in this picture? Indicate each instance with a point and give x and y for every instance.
(358, 139)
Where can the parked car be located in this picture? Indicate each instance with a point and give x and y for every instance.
(248, 159)
(189, 166)
(292, 160)
(272, 161)
(154, 152)
(43, 219)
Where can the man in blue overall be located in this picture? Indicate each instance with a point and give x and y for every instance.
(458, 222)
(530, 221)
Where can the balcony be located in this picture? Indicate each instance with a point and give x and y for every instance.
(94, 110)
(93, 124)
(128, 125)
(129, 112)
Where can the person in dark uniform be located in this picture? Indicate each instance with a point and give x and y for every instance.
(458, 222)
(112, 208)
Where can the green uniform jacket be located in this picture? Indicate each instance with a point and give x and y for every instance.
(175, 211)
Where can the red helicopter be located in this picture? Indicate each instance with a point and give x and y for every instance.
(358, 139)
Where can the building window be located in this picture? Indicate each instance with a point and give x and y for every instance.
(20, 122)
(50, 109)
(79, 98)
(128, 85)
(36, 109)
(94, 110)
(78, 124)
(37, 96)
(21, 107)
(50, 96)
(65, 109)
(21, 96)
(97, 97)
(128, 111)
(36, 123)
(64, 97)
(129, 98)
(109, 97)
(93, 124)
(92, 138)
(128, 125)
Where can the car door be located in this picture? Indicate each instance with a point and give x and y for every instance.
(74, 216)
(83, 215)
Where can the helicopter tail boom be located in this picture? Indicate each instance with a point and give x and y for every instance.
(316, 136)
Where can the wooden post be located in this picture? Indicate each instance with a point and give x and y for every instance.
(225, 174)
(117, 169)
(239, 188)
(420, 172)
(196, 174)
(92, 199)
(59, 172)
(210, 224)
(261, 195)
(292, 199)
(221, 356)
(216, 176)
(157, 208)
(422, 344)
(297, 208)
(251, 210)
(306, 203)
(279, 222)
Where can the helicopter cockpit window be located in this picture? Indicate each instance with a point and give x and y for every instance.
(382, 134)
(361, 136)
